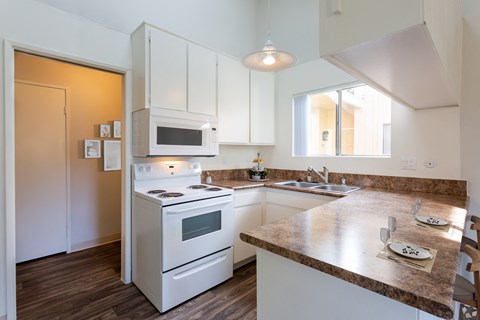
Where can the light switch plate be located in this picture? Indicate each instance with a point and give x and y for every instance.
(409, 163)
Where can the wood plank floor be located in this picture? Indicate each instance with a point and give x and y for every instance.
(86, 285)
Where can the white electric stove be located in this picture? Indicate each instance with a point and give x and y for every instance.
(182, 232)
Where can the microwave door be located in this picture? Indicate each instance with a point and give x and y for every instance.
(168, 136)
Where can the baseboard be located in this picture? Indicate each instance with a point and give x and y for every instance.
(244, 262)
(94, 243)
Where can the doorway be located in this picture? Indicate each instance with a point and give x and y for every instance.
(40, 170)
(95, 102)
(9, 69)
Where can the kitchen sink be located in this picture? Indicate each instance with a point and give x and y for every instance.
(298, 184)
(336, 188)
(329, 187)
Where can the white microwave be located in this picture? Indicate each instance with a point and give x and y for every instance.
(160, 132)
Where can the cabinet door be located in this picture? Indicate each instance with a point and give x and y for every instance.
(246, 218)
(168, 71)
(262, 107)
(233, 101)
(275, 212)
(283, 203)
(202, 80)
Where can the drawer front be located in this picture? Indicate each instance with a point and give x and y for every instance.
(247, 197)
(297, 199)
(191, 279)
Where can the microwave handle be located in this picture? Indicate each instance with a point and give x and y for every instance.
(198, 207)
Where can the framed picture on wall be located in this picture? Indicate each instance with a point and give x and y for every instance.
(104, 131)
(112, 155)
(117, 129)
(92, 148)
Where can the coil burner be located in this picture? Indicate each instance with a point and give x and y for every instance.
(197, 186)
(213, 189)
(156, 191)
(170, 195)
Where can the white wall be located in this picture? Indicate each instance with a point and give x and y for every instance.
(470, 103)
(226, 25)
(294, 24)
(37, 25)
(231, 157)
(3, 268)
(428, 134)
(294, 27)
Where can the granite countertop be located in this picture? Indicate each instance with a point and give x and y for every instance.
(342, 239)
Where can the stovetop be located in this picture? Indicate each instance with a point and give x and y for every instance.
(180, 194)
(168, 183)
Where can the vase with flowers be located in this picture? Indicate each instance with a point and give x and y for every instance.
(258, 172)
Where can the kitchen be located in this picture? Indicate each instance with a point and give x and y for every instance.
(441, 134)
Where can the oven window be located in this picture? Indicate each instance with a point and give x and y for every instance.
(199, 225)
(179, 136)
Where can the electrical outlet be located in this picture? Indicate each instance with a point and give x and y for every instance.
(409, 163)
(430, 164)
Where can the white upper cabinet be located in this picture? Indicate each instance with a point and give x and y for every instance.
(173, 73)
(409, 49)
(233, 101)
(246, 108)
(262, 107)
(159, 69)
(168, 71)
(202, 80)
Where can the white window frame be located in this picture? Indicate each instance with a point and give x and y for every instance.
(338, 126)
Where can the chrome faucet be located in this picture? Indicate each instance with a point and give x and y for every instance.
(323, 176)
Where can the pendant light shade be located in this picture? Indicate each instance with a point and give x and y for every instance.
(269, 59)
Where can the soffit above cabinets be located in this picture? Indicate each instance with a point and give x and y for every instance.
(404, 65)
(409, 49)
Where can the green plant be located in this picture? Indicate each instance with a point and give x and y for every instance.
(254, 172)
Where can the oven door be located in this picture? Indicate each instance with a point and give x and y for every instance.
(196, 229)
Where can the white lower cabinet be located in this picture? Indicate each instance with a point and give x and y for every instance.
(248, 215)
(254, 207)
(283, 203)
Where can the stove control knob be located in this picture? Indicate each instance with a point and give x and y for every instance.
(140, 169)
(148, 168)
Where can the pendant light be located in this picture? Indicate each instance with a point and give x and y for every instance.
(269, 58)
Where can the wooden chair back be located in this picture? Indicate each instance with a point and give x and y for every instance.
(474, 267)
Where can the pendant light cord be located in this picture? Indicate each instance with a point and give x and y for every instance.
(269, 21)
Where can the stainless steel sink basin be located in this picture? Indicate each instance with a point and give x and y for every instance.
(330, 187)
(336, 188)
(298, 184)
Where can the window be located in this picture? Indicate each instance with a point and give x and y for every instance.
(360, 114)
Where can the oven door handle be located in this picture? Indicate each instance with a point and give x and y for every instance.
(198, 207)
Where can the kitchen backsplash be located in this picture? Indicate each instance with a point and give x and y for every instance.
(438, 186)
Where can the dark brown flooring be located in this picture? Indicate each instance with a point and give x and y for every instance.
(86, 285)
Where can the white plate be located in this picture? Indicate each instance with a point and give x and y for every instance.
(410, 251)
(432, 220)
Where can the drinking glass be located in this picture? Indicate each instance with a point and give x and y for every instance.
(418, 203)
(392, 226)
(414, 210)
(384, 236)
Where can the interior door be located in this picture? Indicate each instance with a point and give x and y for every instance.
(40, 171)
